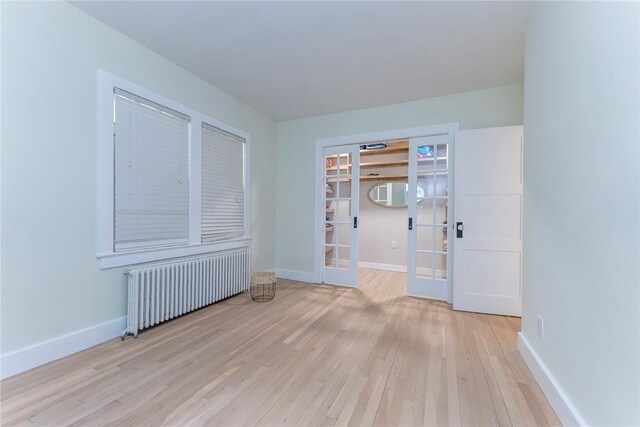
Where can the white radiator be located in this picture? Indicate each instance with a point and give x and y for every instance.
(164, 291)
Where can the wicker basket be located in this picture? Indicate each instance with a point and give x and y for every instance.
(263, 286)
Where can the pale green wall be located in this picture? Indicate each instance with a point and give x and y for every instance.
(500, 106)
(51, 283)
(581, 203)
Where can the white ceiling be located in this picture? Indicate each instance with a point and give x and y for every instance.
(297, 59)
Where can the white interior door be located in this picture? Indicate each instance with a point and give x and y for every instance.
(428, 263)
(340, 209)
(488, 221)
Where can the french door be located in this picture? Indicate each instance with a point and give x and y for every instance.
(340, 210)
(428, 261)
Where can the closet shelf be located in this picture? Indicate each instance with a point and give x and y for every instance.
(369, 165)
(422, 174)
(388, 150)
(330, 210)
(397, 177)
(328, 249)
(399, 146)
(430, 159)
(341, 167)
(393, 163)
(383, 177)
(329, 228)
(387, 177)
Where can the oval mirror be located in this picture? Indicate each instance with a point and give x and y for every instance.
(392, 194)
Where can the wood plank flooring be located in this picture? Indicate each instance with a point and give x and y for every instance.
(315, 355)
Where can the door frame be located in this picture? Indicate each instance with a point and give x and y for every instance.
(365, 138)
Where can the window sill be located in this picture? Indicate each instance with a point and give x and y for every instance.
(119, 259)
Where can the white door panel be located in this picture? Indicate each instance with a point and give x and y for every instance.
(488, 203)
(500, 163)
(340, 211)
(492, 217)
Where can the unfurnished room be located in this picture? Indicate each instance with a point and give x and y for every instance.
(320, 213)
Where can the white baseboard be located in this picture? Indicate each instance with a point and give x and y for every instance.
(298, 276)
(559, 401)
(385, 267)
(38, 354)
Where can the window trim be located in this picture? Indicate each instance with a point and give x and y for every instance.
(106, 255)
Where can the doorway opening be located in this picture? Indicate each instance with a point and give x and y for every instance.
(486, 240)
(383, 205)
(383, 210)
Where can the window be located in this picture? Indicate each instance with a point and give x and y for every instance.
(222, 205)
(173, 182)
(151, 178)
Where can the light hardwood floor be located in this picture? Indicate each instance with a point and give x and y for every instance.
(315, 355)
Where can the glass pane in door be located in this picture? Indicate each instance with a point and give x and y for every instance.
(442, 185)
(441, 266)
(442, 159)
(344, 257)
(330, 255)
(441, 211)
(343, 234)
(424, 238)
(424, 264)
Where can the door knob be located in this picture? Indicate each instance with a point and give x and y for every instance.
(459, 229)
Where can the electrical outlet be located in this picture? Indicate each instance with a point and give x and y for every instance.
(540, 327)
(394, 244)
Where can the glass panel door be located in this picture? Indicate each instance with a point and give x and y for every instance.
(340, 210)
(428, 203)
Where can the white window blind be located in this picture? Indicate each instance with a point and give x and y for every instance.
(222, 184)
(151, 174)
